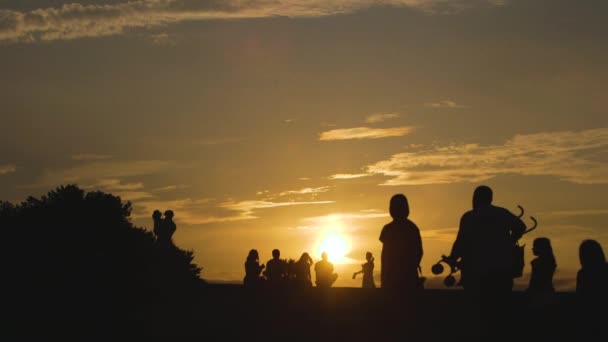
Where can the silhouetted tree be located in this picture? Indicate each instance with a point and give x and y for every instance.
(80, 253)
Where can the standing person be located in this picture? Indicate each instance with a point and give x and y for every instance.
(276, 269)
(484, 244)
(591, 287)
(592, 277)
(543, 269)
(253, 269)
(324, 270)
(302, 266)
(157, 217)
(368, 272)
(401, 248)
(169, 226)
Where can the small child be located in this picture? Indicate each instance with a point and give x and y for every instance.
(368, 272)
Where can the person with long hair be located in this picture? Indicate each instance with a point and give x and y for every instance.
(543, 267)
(302, 267)
(253, 269)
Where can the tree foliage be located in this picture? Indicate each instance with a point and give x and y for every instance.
(72, 247)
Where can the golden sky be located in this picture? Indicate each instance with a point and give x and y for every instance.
(289, 124)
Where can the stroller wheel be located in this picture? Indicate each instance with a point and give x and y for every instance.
(449, 281)
(437, 268)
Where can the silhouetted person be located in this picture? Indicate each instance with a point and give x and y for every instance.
(157, 218)
(401, 248)
(164, 228)
(253, 269)
(302, 266)
(543, 268)
(592, 278)
(276, 269)
(368, 272)
(485, 244)
(324, 271)
(591, 289)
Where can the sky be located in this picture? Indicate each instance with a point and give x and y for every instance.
(289, 124)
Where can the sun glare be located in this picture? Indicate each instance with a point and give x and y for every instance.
(335, 246)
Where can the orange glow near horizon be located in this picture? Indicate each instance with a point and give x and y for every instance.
(333, 241)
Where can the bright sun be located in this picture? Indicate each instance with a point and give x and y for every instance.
(335, 246)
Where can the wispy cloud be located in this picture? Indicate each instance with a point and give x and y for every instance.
(338, 221)
(578, 157)
(305, 191)
(246, 209)
(190, 211)
(571, 213)
(445, 104)
(98, 171)
(6, 169)
(218, 141)
(364, 133)
(348, 175)
(90, 157)
(115, 184)
(78, 20)
(380, 117)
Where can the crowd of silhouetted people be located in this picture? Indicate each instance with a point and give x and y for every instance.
(486, 252)
(277, 272)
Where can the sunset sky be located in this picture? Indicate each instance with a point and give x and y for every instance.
(289, 124)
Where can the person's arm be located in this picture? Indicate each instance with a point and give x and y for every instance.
(517, 226)
(458, 246)
(418, 244)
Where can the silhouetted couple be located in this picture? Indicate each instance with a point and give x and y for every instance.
(164, 228)
(277, 274)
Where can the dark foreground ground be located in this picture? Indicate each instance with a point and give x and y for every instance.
(232, 313)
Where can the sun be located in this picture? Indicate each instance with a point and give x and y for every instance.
(336, 247)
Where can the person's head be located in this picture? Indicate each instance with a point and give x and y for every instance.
(253, 255)
(542, 247)
(482, 196)
(399, 208)
(276, 253)
(156, 215)
(591, 254)
(169, 214)
(324, 256)
(305, 258)
(369, 256)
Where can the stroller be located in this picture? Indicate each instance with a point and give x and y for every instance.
(456, 265)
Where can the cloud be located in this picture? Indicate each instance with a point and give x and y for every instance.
(90, 157)
(572, 213)
(577, 157)
(338, 221)
(445, 104)
(98, 171)
(219, 141)
(305, 191)
(246, 209)
(115, 184)
(191, 211)
(6, 169)
(348, 176)
(380, 117)
(364, 133)
(79, 20)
